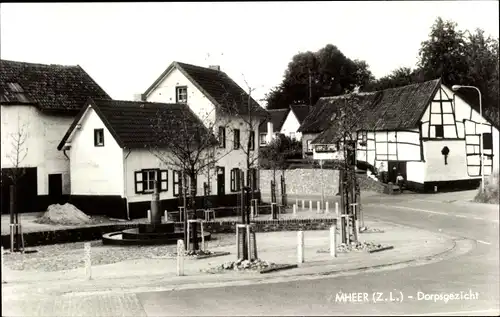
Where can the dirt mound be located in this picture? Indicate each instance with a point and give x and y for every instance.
(491, 194)
(66, 214)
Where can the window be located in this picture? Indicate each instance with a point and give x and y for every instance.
(181, 94)
(236, 139)
(252, 178)
(439, 131)
(251, 141)
(98, 137)
(263, 138)
(487, 141)
(222, 137)
(176, 179)
(145, 180)
(235, 179)
(309, 146)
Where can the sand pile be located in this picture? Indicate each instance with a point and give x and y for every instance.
(66, 214)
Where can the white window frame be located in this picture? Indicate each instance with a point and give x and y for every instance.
(181, 94)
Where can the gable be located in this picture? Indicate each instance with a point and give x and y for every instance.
(291, 123)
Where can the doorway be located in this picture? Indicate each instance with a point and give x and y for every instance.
(396, 167)
(55, 186)
(221, 189)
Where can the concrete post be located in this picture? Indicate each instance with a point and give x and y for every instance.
(165, 216)
(303, 204)
(296, 201)
(333, 241)
(180, 257)
(300, 247)
(326, 207)
(295, 210)
(337, 209)
(149, 215)
(88, 263)
(202, 237)
(188, 236)
(310, 205)
(252, 214)
(3, 278)
(318, 207)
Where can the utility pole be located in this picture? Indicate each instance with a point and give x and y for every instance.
(310, 88)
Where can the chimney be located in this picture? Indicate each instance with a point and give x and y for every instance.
(269, 132)
(214, 67)
(138, 97)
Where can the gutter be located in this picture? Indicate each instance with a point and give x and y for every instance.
(125, 180)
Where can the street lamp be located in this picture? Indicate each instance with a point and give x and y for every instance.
(456, 88)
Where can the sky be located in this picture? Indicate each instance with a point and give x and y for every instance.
(125, 46)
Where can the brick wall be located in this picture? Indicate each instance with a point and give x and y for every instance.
(301, 181)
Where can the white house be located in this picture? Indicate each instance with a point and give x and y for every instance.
(225, 108)
(38, 103)
(423, 131)
(283, 121)
(115, 150)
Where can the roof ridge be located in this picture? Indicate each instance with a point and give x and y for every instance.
(193, 65)
(39, 64)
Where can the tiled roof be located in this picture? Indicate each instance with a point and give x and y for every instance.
(134, 124)
(278, 117)
(301, 111)
(226, 94)
(50, 87)
(390, 109)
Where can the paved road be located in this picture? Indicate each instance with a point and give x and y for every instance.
(474, 275)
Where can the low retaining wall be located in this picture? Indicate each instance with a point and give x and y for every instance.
(95, 233)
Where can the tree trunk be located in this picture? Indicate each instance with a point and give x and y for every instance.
(193, 205)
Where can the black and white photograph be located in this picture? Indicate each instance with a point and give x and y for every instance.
(250, 158)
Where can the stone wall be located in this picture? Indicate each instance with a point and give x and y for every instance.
(301, 181)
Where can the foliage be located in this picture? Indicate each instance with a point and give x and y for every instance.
(331, 73)
(19, 151)
(491, 193)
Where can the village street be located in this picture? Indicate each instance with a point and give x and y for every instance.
(471, 271)
(476, 271)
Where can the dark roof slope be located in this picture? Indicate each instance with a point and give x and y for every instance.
(390, 109)
(138, 124)
(300, 111)
(278, 117)
(218, 87)
(50, 87)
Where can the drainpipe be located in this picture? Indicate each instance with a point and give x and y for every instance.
(125, 181)
(64, 152)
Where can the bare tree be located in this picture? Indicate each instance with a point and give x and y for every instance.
(186, 143)
(16, 156)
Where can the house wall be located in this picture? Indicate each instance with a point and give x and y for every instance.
(462, 128)
(165, 92)
(95, 170)
(43, 133)
(305, 137)
(291, 125)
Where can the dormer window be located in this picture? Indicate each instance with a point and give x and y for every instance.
(181, 94)
(98, 137)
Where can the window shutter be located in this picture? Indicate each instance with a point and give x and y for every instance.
(139, 186)
(163, 180)
(232, 180)
(238, 175)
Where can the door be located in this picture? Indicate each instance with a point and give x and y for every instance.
(220, 181)
(55, 186)
(396, 167)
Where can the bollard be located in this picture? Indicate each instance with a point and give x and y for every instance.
(310, 205)
(88, 263)
(337, 209)
(180, 257)
(252, 215)
(149, 215)
(3, 279)
(202, 237)
(356, 225)
(296, 201)
(303, 204)
(295, 210)
(300, 247)
(165, 216)
(333, 241)
(326, 207)
(318, 207)
(435, 189)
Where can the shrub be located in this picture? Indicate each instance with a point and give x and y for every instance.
(491, 193)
